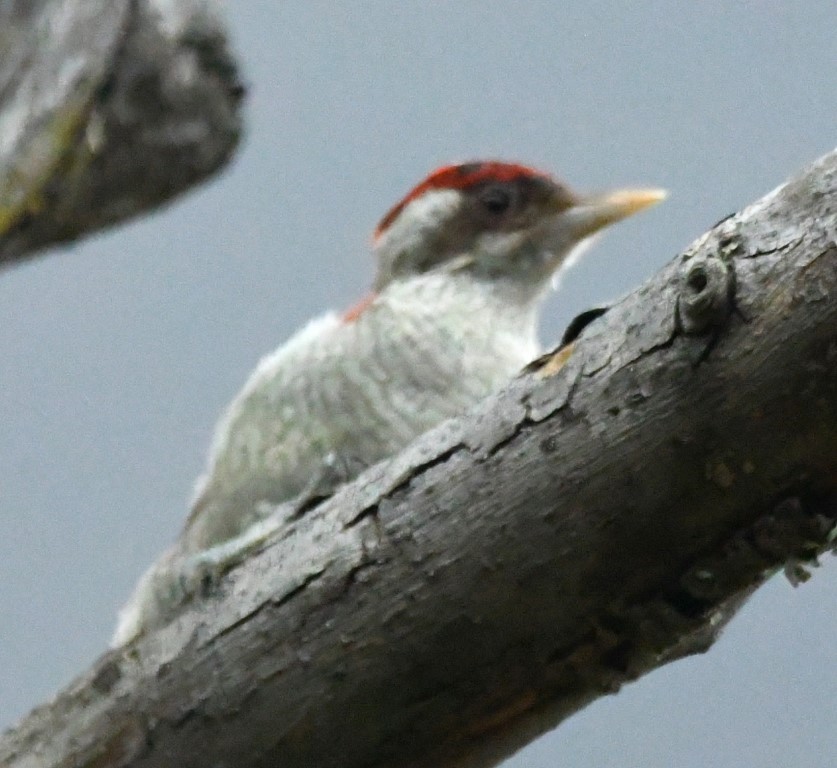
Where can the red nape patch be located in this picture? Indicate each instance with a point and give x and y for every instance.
(460, 176)
(354, 312)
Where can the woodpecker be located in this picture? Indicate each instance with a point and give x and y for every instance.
(464, 261)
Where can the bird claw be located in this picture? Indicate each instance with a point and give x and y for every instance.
(333, 472)
(200, 573)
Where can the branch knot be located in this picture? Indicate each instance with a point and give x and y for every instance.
(705, 297)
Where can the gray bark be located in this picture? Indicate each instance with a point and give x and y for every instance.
(108, 108)
(593, 521)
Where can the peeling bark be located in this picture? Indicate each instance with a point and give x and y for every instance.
(108, 108)
(604, 514)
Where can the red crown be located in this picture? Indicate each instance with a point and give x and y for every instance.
(459, 176)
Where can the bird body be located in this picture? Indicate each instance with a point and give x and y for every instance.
(342, 394)
(464, 260)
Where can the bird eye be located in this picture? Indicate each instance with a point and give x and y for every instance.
(496, 200)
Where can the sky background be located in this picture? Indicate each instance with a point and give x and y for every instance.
(119, 353)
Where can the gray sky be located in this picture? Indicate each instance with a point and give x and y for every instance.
(119, 353)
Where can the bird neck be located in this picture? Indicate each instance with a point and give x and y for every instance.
(489, 307)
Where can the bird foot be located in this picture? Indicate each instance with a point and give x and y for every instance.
(201, 572)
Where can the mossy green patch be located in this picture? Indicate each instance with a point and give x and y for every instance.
(51, 151)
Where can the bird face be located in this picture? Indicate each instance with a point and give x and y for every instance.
(494, 220)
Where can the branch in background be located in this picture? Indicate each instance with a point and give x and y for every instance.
(108, 108)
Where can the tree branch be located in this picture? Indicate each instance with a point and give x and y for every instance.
(598, 518)
(108, 108)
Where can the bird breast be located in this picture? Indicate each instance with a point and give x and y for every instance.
(348, 394)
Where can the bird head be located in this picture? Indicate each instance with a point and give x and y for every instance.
(495, 221)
